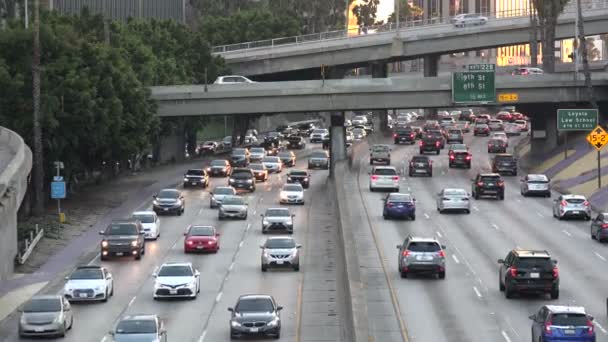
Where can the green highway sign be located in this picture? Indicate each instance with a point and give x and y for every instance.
(474, 86)
(576, 119)
(481, 67)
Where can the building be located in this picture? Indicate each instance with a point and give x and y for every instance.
(124, 9)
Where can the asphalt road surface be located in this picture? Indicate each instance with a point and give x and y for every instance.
(310, 297)
(467, 306)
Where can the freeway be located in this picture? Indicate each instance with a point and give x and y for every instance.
(311, 297)
(468, 306)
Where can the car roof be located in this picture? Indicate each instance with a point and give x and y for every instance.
(277, 208)
(422, 239)
(574, 197)
(280, 238)
(292, 184)
(255, 296)
(46, 296)
(223, 187)
(537, 177)
(503, 155)
(566, 309)
(89, 267)
(385, 168)
(123, 220)
(296, 170)
(148, 212)
(454, 189)
(531, 253)
(139, 317)
(489, 174)
(176, 264)
(421, 157)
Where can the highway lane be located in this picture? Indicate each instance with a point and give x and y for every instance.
(468, 303)
(233, 271)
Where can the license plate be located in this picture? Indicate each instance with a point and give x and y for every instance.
(569, 331)
(119, 254)
(254, 330)
(576, 212)
(173, 291)
(193, 183)
(424, 258)
(399, 206)
(317, 164)
(38, 329)
(490, 184)
(166, 209)
(82, 295)
(279, 262)
(534, 275)
(200, 247)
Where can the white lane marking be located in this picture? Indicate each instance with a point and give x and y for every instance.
(599, 256)
(268, 189)
(105, 338)
(455, 259)
(255, 211)
(202, 338)
(219, 296)
(566, 232)
(600, 327)
(475, 208)
(241, 244)
(132, 301)
(427, 216)
(248, 226)
(539, 214)
(94, 259)
(518, 200)
(495, 226)
(477, 292)
(200, 211)
(506, 337)
(439, 234)
(231, 266)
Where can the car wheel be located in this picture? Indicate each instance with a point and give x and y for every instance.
(403, 274)
(264, 268)
(502, 197)
(476, 196)
(411, 174)
(508, 293)
(592, 235)
(501, 286)
(468, 211)
(71, 323)
(278, 335)
(555, 292)
(138, 256)
(587, 218)
(442, 275)
(112, 290)
(264, 231)
(413, 217)
(62, 332)
(431, 174)
(386, 217)
(437, 152)
(105, 298)
(103, 258)
(296, 267)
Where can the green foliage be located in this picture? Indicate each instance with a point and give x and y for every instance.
(95, 100)
(366, 12)
(406, 12)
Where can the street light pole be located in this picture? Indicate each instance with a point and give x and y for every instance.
(397, 14)
(576, 42)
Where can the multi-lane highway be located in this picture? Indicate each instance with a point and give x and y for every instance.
(467, 305)
(310, 297)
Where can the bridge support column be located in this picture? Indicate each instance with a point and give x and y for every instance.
(544, 132)
(431, 66)
(337, 148)
(380, 70)
(445, 11)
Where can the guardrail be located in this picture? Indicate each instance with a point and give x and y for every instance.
(389, 27)
(30, 244)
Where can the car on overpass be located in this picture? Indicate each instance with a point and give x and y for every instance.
(233, 79)
(527, 71)
(469, 19)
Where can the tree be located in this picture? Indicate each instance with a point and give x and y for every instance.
(593, 52)
(366, 12)
(406, 12)
(38, 161)
(548, 11)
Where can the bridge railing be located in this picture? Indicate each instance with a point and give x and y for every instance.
(354, 33)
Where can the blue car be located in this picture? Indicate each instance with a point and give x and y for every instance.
(562, 323)
(398, 205)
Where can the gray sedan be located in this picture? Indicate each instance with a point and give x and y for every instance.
(453, 199)
(218, 194)
(233, 207)
(46, 315)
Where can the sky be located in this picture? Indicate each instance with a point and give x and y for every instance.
(385, 9)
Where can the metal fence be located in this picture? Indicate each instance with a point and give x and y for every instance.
(588, 6)
(124, 9)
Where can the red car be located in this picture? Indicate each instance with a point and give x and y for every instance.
(201, 239)
(519, 116)
(505, 116)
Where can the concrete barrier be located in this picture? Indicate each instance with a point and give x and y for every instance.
(13, 185)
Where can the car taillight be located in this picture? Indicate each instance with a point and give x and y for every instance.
(412, 135)
(452, 157)
(394, 135)
(442, 254)
(548, 330)
(480, 183)
(589, 328)
(437, 143)
(468, 158)
(586, 203)
(390, 205)
(555, 273)
(513, 271)
(374, 177)
(501, 183)
(421, 143)
(605, 226)
(411, 164)
(563, 203)
(405, 253)
(396, 178)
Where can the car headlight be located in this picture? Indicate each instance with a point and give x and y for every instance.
(288, 178)
(57, 319)
(306, 179)
(208, 169)
(249, 181)
(134, 243)
(185, 179)
(192, 284)
(23, 320)
(231, 180)
(265, 222)
(235, 324)
(98, 288)
(178, 202)
(283, 195)
(273, 323)
(104, 243)
(155, 202)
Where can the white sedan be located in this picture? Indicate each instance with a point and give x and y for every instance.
(233, 79)
(151, 223)
(292, 194)
(453, 199)
(471, 19)
(89, 283)
(273, 164)
(176, 280)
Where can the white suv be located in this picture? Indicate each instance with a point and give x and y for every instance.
(384, 177)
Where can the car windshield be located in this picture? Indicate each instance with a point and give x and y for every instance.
(380, 148)
(284, 155)
(454, 132)
(503, 158)
(239, 152)
(297, 173)
(534, 262)
(175, 271)
(482, 126)
(233, 200)
(43, 305)
(569, 319)
(400, 198)
(277, 212)
(420, 160)
(292, 188)
(209, 143)
(256, 166)
(458, 147)
(201, 231)
(385, 172)
(318, 131)
(280, 243)
(254, 305)
(575, 200)
(320, 155)
(423, 247)
(404, 130)
(168, 194)
(87, 273)
(144, 218)
(358, 131)
(455, 193)
(490, 178)
(241, 175)
(271, 160)
(496, 142)
(136, 326)
(257, 150)
(195, 173)
(223, 191)
(218, 163)
(122, 229)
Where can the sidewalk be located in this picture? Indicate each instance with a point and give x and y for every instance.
(90, 211)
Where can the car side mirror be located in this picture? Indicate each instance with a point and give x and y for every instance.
(142, 233)
(293, 215)
(154, 196)
(532, 317)
(66, 278)
(163, 331)
(211, 193)
(554, 261)
(261, 215)
(501, 261)
(443, 247)
(472, 179)
(298, 246)
(109, 276)
(185, 234)
(67, 308)
(262, 246)
(591, 318)
(101, 232)
(111, 333)
(399, 246)
(154, 275)
(279, 308)
(231, 309)
(197, 273)
(217, 234)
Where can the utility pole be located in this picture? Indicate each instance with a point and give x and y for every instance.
(576, 46)
(582, 47)
(397, 15)
(26, 14)
(38, 152)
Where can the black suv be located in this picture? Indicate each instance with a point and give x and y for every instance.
(430, 143)
(255, 315)
(404, 135)
(488, 184)
(497, 146)
(123, 237)
(504, 163)
(239, 157)
(421, 165)
(296, 142)
(273, 138)
(299, 176)
(440, 135)
(242, 178)
(455, 136)
(460, 157)
(529, 271)
(305, 129)
(196, 177)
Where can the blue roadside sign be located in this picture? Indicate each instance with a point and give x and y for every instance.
(57, 190)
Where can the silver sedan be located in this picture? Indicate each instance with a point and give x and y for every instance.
(233, 207)
(453, 199)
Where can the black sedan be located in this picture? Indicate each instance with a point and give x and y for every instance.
(299, 176)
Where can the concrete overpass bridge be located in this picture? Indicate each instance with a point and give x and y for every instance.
(301, 57)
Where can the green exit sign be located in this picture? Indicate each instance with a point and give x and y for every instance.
(576, 119)
(474, 86)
